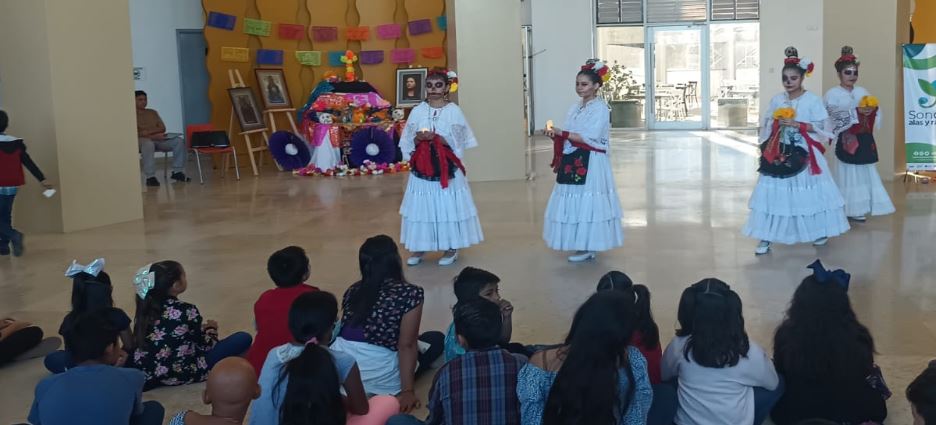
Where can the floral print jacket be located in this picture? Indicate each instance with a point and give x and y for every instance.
(176, 347)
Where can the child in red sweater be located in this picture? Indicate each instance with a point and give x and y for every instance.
(13, 158)
(289, 269)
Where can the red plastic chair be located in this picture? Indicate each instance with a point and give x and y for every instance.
(228, 152)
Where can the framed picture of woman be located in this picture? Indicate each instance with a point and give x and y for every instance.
(248, 113)
(411, 86)
(273, 90)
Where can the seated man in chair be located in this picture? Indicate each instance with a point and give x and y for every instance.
(151, 133)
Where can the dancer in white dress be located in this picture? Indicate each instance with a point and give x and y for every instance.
(438, 211)
(796, 199)
(854, 115)
(584, 213)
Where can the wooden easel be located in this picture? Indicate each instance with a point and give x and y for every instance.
(289, 114)
(238, 82)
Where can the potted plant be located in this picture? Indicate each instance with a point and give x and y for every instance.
(625, 111)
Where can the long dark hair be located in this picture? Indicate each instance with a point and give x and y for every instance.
(649, 331)
(149, 309)
(586, 389)
(380, 263)
(710, 315)
(820, 338)
(91, 292)
(313, 393)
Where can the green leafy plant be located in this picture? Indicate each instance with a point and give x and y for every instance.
(621, 83)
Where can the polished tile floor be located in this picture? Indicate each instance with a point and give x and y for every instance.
(684, 196)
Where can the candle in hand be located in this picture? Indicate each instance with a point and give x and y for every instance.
(549, 124)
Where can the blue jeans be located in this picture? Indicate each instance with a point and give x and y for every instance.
(59, 361)
(7, 231)
(765, 400)
(234, 345)
(404, 420)
(665, 403)
(153, 414)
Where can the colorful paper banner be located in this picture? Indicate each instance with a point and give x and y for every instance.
(309, 57)
(324, 33)
(371, 57)
(290, 31)
(433, 52)
(269, 57)
(422, 26)
(358, 33)
(257, 27)
(389, 31)
(221, 20)
(334, 57)
(401, 56)
(235, 54)
(442, 22)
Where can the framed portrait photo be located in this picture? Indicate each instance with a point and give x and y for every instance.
(249, 114)
(272, 84)
(411, 86)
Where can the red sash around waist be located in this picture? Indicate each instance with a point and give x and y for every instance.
(422, 159)
(772, 152)
(558, 144)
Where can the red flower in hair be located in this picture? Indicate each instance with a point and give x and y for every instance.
(810, 68)
(791, 61)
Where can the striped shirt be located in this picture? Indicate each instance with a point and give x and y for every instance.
(479, 387)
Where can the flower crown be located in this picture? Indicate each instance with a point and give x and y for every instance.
(598, 67)
(804, 64)
(450, 76)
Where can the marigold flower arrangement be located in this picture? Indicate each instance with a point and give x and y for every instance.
(868, 102)
(784, 113)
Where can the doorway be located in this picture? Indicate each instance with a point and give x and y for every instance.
(193, 77)
(678, 89)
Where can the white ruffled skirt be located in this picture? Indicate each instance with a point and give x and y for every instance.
(798, 209)
(863, 191)
(585, 217)
(436, 219)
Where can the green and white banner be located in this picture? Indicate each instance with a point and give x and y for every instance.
(919, 61)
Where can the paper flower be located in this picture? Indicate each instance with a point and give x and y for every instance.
(784, 113)
(868, 102)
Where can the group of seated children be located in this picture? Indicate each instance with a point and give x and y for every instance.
(313, 363)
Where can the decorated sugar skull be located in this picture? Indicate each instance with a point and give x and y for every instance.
(398, 115)
(326, 118)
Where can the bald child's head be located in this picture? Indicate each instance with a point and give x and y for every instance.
(232, 385)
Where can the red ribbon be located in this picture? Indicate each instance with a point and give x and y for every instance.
(865, 123)
(422, 159)
(772, 152)
(558, 144)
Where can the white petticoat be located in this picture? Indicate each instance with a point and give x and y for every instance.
(585, 217)
(436, 219)
(862, 189)
(802, 208)
(325, 157)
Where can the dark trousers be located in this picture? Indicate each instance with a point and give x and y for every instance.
(436, 341)
(6, 219)
(234, 345)
(153, 414)
(18, 343)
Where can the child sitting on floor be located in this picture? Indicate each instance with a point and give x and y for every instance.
(91, 290)
(20, 340)
(289, 269)
(471, 284)
(232, 384)
(921, 393)
(480, 386)
(171, 345)
(94, 392)
(301, 381)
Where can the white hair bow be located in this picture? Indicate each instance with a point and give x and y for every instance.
(92, 269)
(144, 280)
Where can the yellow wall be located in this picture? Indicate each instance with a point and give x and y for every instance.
(69, 92)
(489, 62)
(878, 50)
(301, 80)
(789, 23)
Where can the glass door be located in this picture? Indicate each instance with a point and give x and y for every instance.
(677, 87)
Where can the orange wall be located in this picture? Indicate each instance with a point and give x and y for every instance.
(924, 22)
(301, 80)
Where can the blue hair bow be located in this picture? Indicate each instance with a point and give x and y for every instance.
(839, 277)
(92, 269)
